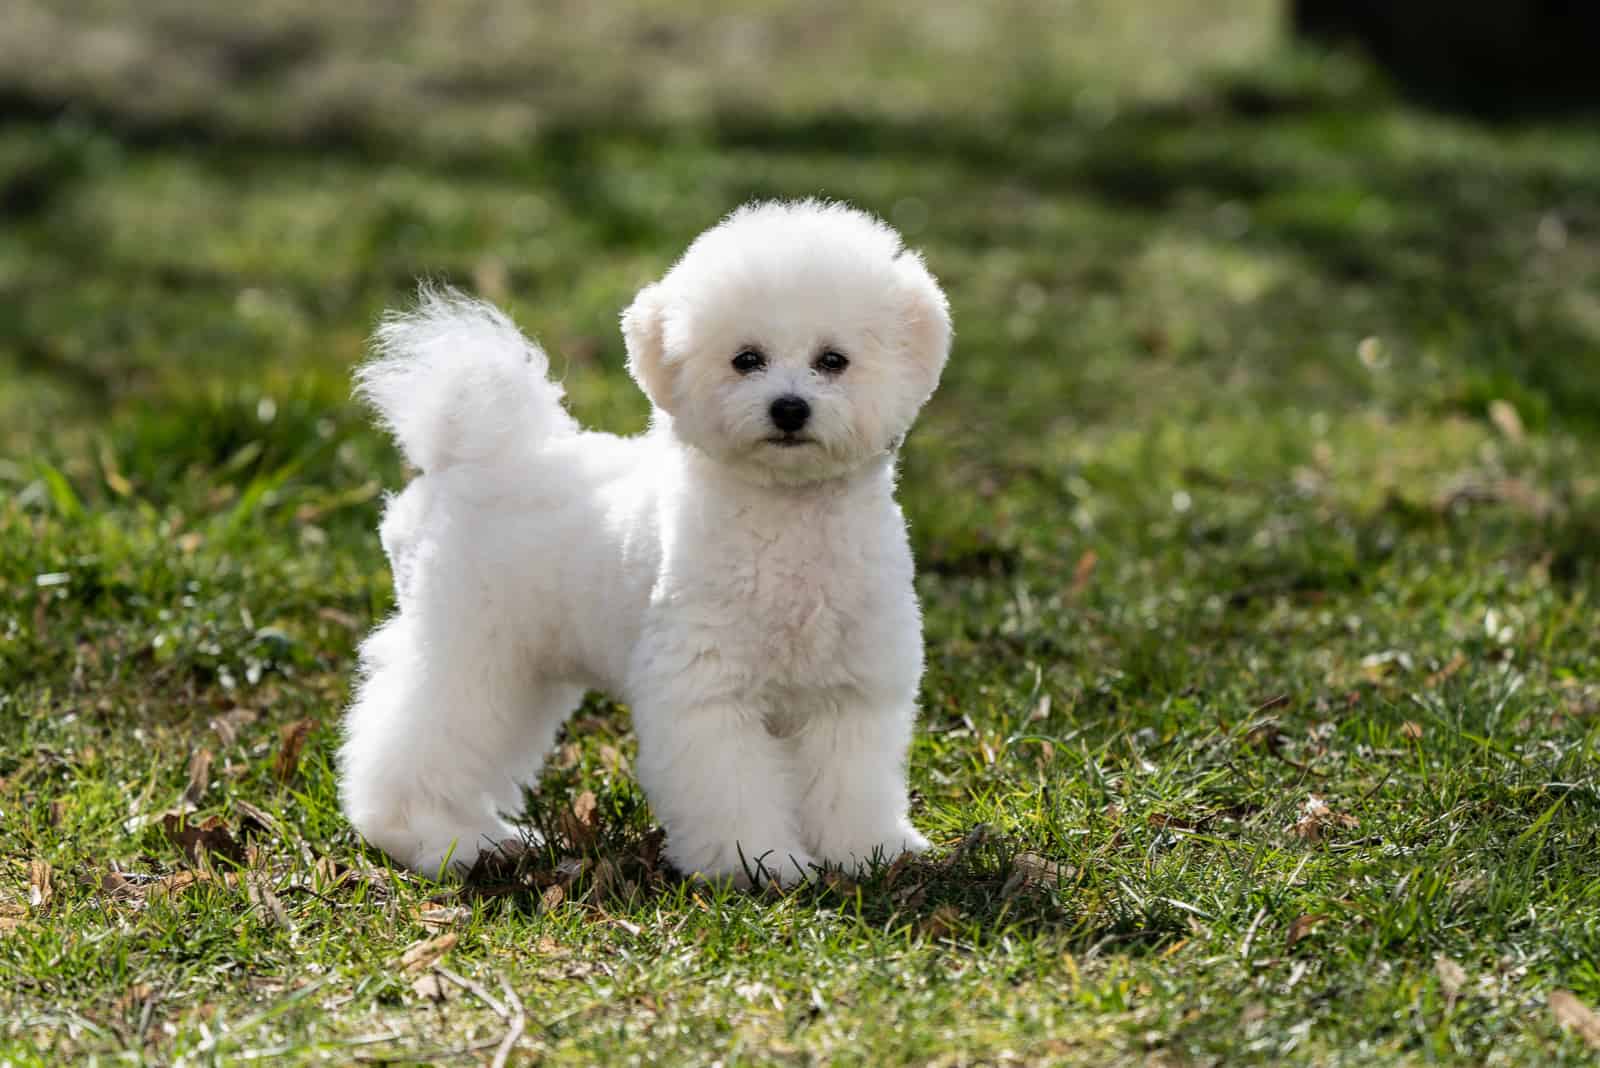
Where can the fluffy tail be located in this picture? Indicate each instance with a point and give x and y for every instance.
(456, 382)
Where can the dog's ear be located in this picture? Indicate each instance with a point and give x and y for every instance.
(924, 315)
(643, 329)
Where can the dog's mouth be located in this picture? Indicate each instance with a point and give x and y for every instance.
(790, 441)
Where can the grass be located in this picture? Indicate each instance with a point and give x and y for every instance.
(1256, 523)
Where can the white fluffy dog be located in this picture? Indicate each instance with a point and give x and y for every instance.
(738, 575)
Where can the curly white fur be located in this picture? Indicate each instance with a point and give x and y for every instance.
(749, 597)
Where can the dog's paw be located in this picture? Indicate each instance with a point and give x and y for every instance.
(863, 849)
(774, 867)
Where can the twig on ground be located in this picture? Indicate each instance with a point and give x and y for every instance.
(514, 1032)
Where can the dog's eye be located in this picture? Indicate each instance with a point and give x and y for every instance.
(749, 360)
(832, 362)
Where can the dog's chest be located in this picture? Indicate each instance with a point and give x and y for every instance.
(790, 597)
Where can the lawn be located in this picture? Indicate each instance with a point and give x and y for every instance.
(1257, 523)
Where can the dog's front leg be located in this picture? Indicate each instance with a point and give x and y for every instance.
(852, 765)
(721, 785)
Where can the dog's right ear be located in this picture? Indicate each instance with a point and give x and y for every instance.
(643, 330)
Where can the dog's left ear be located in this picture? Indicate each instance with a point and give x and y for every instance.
(643, 330)
(925, 314)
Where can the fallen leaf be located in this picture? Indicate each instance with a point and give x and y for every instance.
(581, 823)
(552, 897)
(39, 890)
(431, 987)
(1411, 729)
(613, 760)
(420, 956)
(1455, 664)
(438, 917)
(649, 851)
(11, 917)
(211, 835)
(253, 818)
(1575, 1016)
(1315, 816)
(199, 775)
(1303, 926)
(940, 923)
(1030, 869)
(549, 947)
(1452, 976)
(291, 740)
(134, 997)
(1083, 572)
(120, 885)
(839, 882)
(174, 884)
(895, 870)
(229, 724)
(335, 616)
(1503, 414)
(262, 895)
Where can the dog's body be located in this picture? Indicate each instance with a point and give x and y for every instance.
(746, 590)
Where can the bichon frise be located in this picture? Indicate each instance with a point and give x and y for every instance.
(738, 575)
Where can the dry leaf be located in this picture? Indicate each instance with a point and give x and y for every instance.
(1503, 414)
(581, 823)
(431, 987)
(252, 818)
(229, 724)
(291, 740)
(171, 885)
(1083, 571)
(940, 923)
(1456, 663)
(199, 776)
(1030, 869)
(1315, 816)
(39, 891)
(209, 836)
(1452, 976)
(1303, 926)
(1411, 729)
(119, 885)
(260, 893)
(134, 997)
(613, 760)
(550, 948)
(438, 917)
(552, 897)
(650, 849)
(420, 956)
(839, 882)
(342, 619)
(11, 917)
(1575, 1016)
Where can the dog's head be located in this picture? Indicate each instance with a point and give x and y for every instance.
(795, 341)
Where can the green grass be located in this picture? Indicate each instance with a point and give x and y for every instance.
(1264, 472)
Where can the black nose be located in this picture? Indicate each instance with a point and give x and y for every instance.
(789, 413)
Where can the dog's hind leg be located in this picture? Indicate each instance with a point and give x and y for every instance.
(445, 729)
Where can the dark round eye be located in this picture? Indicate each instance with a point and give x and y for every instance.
(749, 360)
(832, 362)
